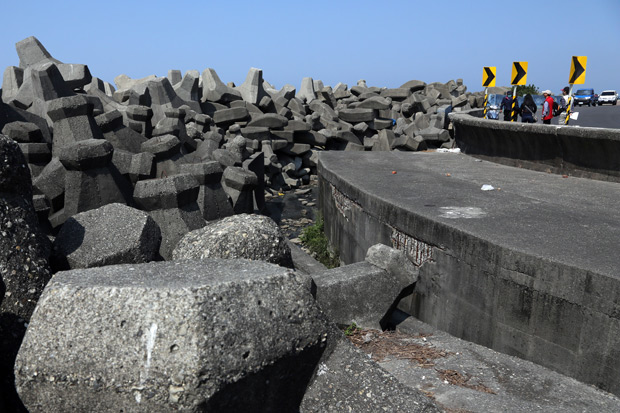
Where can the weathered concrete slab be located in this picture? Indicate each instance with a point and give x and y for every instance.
(348, 380)
(485, 380)
(209, 335)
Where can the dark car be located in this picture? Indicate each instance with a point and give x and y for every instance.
(585, 96)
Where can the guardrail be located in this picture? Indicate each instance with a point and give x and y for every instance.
(567, 150)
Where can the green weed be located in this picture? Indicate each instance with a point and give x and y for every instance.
(313, 237)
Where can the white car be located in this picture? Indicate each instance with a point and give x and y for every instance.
(608, 96)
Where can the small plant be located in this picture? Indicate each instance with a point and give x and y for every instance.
(351, 329)
(313, 237)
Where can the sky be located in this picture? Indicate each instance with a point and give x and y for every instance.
(387, 43)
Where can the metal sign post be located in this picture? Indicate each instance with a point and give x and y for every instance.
(577, 77)
(519, 77)
(488, 80)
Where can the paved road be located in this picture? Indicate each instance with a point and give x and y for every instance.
(606, 116)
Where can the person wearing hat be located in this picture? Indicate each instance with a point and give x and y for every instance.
(547, 110)
(563, 106)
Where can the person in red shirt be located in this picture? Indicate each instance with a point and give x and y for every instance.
(547, 110)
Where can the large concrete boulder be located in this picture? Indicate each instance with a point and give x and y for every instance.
(191, 336)
(23, 249)
(253, 237)
(112, 234)
(24, 269)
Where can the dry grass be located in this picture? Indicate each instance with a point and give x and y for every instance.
(457, 379)
(385, 344)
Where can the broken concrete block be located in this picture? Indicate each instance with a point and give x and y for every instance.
(214, 90)
(459, 101)
(167, 152)
(76, 76)
(171, 202)
(134, 166)
(11, 82)
(112, 234)
(395, 262)
(252, 89)
(375, 102)
(90, 180)
(357, 115)
(323, 109)
(259, 133)
(215, 329)
(239, 184)
(413, 85)
(187, 89)
(306, 92)
(379, 124)
(31, 51)
(120, 136)
(435, 135)
(73, 121)
(269, 120)
(51, 183)
(212, 199)
(23, 132)
(247, 236)
(361, 293)
(174, 76)
(226, 117)
(408, 143)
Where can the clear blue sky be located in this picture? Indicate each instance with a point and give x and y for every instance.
(387, 43)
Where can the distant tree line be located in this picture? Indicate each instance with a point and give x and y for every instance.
(523, 90)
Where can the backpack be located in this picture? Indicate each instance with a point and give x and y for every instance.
(557, 109)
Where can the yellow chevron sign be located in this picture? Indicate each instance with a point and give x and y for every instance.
(578, 70)
(519, 73)
(488, 76)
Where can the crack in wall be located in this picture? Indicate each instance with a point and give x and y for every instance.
(418, 251)
(343, 203)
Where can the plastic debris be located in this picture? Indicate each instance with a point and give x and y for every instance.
(487, 187)
(393, 172)
(453, 150)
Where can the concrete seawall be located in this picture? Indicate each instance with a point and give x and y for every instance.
(583, 152)
(529, 268)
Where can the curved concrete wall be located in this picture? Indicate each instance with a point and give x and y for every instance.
(510, 282)
(582, 152)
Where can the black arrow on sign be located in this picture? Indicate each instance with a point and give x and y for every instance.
(578, 70)
(490, 76)
(520, 73)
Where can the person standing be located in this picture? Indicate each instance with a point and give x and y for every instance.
(528, 109)
(547, 110)
(564, 105)
(506, 106)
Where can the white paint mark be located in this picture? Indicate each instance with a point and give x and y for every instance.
(462, 212)
(150, 344)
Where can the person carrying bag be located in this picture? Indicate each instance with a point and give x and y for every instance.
(528, 110)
